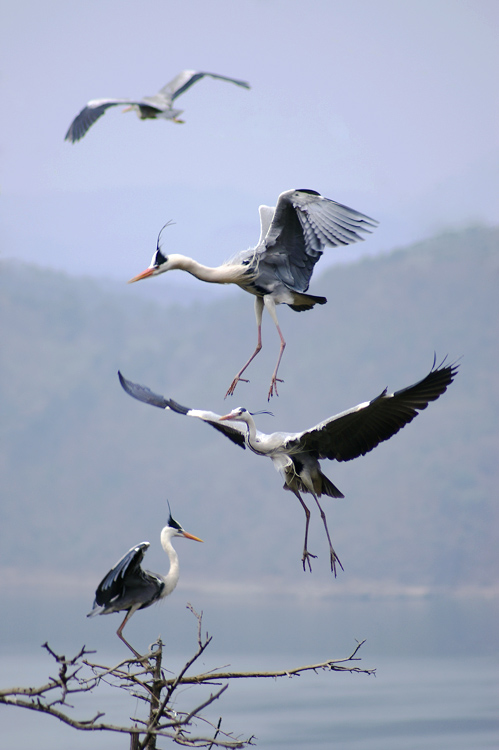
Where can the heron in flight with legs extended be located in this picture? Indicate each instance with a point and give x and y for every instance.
(345, 436)
(278, 270)
(128, 587)
(159, 106)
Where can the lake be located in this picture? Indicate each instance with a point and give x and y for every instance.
(436, 683)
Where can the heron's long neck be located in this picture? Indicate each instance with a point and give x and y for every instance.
(226, 274)
(171, 579)
(250, 423)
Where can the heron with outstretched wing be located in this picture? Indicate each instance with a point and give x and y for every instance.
(343, 437)
(278, 270)
(128, 587)
(159, 106)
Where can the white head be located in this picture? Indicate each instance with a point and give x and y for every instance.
(159, 262)
(173, 529)
(238, 415)
(243, 415)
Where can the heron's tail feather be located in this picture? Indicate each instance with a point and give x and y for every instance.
(328, 488)
(322, 486)
(96, 611)
(303, 302)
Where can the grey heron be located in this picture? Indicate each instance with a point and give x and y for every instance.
(278, 270)
(343, 437)
(128, 587)
(149, 108)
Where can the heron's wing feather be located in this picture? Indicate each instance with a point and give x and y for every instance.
(187, 78)
(266, 216)
(234, 432)
(128, 566)
(142, 393)
(304, 223)
(91, 114)
(357, 431)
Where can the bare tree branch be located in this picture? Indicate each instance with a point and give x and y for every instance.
(143, 678)
(332, 665)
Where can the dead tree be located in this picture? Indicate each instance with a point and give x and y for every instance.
(143, 678)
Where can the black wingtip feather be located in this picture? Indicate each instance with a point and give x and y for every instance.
(144, 394)
(433, 385)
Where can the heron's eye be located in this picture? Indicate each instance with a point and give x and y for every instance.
(173, 524)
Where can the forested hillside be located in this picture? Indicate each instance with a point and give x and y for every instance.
(86, 470)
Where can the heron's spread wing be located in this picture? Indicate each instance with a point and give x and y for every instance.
(91, 114)
(127, 567)
(304, 223)
(235, 432)
(142, 393)
(187, 78)
(357, 431)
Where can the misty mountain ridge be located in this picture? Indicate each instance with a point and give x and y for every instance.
(87, 471)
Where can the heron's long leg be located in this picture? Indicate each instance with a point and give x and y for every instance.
(258, 315)
(306, 554)
(270, 305)
(120, 635)
(334, 557)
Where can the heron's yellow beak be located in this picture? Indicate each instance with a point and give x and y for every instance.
(143, 275)
(190, 536)
(226, 416)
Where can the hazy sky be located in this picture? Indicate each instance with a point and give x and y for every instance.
(389, 106)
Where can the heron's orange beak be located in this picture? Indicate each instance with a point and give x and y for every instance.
(226, 416)
(190, 536)
(143, 275)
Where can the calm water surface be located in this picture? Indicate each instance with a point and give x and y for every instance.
(436, 685)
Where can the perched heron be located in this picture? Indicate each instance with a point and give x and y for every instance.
(149, 108)
(128, 587)
(345, 436)
(278, 270)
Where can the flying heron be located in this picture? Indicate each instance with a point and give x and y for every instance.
(345, 436)
(128, 587)
(149, 108)
(278, 270)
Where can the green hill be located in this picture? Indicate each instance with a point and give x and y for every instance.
(86, 470)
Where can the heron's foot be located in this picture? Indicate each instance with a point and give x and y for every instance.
(273, 387)
(306, 560)
(335, 559)
(180, 122)
(139, 657)
(232, 386)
